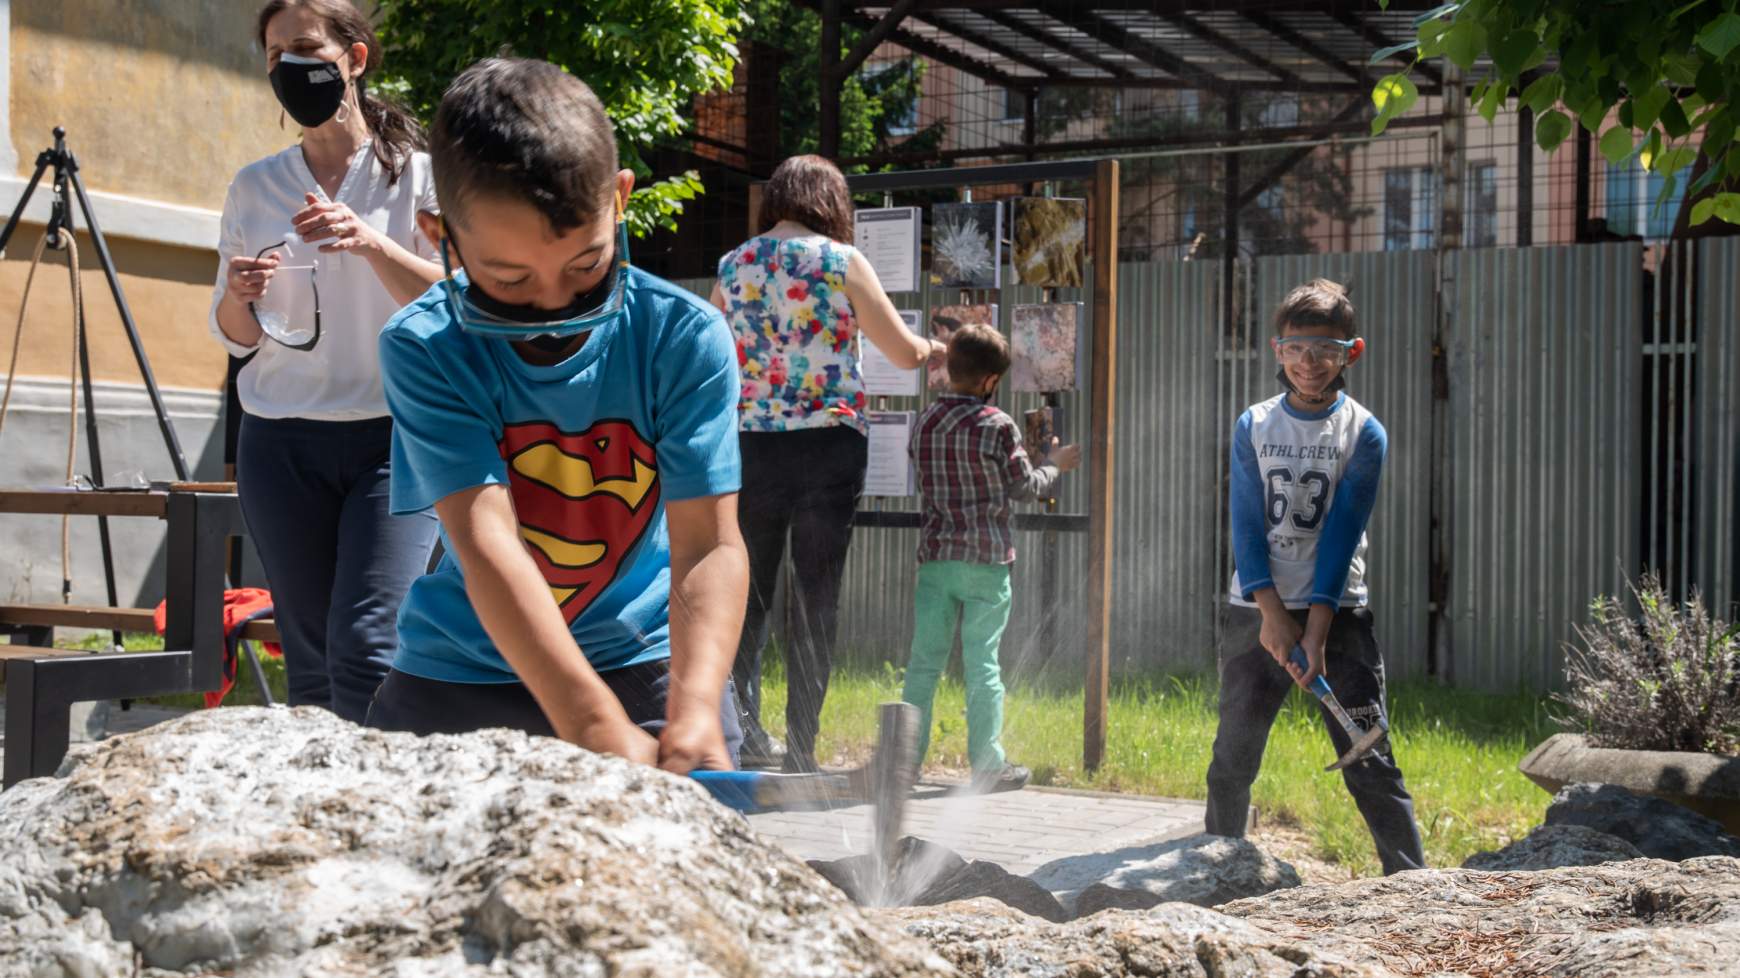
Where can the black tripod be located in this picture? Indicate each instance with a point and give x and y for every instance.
(60, 221)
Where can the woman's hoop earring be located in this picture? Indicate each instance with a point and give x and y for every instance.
(280, 118)
(343, 114)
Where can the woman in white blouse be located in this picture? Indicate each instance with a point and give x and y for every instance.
(319, 248)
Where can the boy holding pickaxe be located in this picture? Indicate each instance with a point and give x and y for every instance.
(1305, 468)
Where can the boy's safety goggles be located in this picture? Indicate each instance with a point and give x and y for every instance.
(1291, 350)
(477, 312)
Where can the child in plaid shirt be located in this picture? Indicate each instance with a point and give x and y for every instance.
(970, 464)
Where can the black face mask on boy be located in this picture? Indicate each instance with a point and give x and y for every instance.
(310, 90)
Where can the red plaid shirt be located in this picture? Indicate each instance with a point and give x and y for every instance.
(970, 464)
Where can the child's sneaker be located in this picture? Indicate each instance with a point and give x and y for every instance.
(1011, 777)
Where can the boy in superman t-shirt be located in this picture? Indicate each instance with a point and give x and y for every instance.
(573, 422)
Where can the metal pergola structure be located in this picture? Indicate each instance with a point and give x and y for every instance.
(1225, 46)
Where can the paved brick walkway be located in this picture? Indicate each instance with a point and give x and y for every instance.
(1021, 830)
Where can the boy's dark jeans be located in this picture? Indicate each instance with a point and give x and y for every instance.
(1253, 687)
(806, 484)
(421, 706)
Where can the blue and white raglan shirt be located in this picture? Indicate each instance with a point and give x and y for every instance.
(591, 448)
(1303, 485)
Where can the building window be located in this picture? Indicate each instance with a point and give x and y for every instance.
(1282, 110)
(1189, 105)
(1480, 212)
(902, 113)
(1014, 105)
(1410, 207)
(1631, 201)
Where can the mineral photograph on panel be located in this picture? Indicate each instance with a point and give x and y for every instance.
(966, 245)
(944, 320)
(1044, 346)
(1050, 241)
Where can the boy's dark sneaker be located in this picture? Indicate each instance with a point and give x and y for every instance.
(1012, 777)
(760, 750)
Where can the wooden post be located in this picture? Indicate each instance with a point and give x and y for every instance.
(1101, 459)
(756, 190)
(828, 61)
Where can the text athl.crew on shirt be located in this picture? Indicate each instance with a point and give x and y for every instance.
(1302, 490)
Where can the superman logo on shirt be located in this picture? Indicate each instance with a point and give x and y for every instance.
(584, 501)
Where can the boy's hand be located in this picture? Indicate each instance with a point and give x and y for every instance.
(1066, 458)
(693, 742)
(1313, 646)
(1280, 633)
(620, 737)
(1313, 640)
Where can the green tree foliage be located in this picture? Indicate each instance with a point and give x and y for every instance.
(646, 59)
(1670, 67)
(873, 100)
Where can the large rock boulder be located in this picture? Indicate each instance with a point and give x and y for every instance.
(985, 939)
(1659, 829)
(987, 879)
(926, 874)
(1552, 846)
(1205, 870)
(255, 842)
(1618, 920)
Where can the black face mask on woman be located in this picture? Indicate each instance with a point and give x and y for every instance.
(310, 90)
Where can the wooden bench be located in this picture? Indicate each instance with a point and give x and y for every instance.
(35, 652)
(79, 616)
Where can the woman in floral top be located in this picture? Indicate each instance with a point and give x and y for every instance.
(799, 298)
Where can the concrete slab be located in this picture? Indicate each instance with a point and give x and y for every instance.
(1021, 830)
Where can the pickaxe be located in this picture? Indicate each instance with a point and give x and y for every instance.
(1364, 741)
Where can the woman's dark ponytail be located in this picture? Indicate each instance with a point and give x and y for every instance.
(396, 133)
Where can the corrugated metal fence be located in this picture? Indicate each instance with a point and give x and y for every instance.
(1544, 357)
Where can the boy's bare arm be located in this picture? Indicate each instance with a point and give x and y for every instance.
(709, 590)
(515, 606)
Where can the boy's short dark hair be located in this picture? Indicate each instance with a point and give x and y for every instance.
(977, 351)
(1318, 302)
(523, 130)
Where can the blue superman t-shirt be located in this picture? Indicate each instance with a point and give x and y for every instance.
(591, 449)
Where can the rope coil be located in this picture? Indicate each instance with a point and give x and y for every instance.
(67, 240)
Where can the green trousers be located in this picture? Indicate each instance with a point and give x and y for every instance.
(979, 595)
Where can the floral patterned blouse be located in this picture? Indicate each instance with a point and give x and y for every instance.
(797, 339)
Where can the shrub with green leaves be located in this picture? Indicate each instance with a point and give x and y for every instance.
(1667, 678)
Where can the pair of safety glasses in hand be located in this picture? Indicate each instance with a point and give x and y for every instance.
(274, 320)
(1290, 350)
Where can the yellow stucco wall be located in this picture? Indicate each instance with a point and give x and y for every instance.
(167, 288)
(163, 99)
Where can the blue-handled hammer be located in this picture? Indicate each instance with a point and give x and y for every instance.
(1364, 741)
(885, 782)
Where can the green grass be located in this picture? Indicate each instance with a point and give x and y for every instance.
(245, 693)
(1459, 751)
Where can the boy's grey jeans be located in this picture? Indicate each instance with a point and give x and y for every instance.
(1253, 687)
